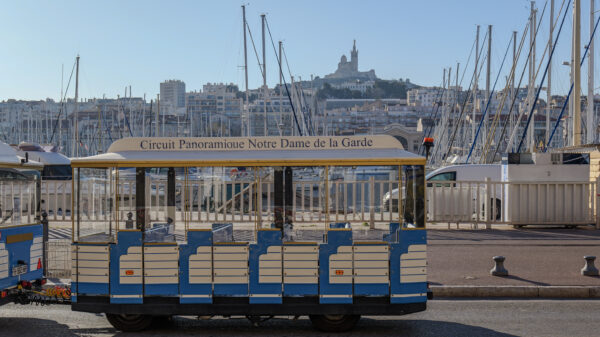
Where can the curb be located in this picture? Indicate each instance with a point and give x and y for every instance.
(517, 291)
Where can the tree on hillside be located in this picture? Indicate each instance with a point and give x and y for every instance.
(381, 89)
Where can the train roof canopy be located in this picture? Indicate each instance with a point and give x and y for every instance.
(253, 151)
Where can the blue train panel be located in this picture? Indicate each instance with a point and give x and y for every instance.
(126, 267)
(161, 269)
(21, 251)
(335, 267)
(90, 272)
(301, 269)
(408, 267)
(195, 263)
(230, 269)
(371, 269)
(266, 267)
(265, 272)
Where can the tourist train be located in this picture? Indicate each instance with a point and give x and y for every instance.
(21, 232)
(280, 234)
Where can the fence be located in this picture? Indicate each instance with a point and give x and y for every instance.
(17, 202)
(365, 201)
(56, 199)
(58, 254)
(515, 203)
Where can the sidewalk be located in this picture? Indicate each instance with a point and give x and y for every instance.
(540, 262)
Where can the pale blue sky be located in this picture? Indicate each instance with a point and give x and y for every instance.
(141, 43)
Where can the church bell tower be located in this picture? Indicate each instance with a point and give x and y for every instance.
(354, 57)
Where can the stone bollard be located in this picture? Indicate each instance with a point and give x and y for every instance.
(499, 269)
(589, 269)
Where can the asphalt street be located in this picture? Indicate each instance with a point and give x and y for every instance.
(443, 318)
(534, 256)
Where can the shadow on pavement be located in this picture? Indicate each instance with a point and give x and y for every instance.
(30, 327)
(183, 326)
(403, 327)
(302, 327)
(513, 277)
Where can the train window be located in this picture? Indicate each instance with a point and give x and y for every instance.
(363, 195)
(414, 200)
(17, 198)
(95, 206)
(219, 197)
(155, 199)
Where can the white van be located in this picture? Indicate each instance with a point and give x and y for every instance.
(467, 172)
(462, 173)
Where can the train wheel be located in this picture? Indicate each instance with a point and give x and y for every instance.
(334, 323)
(129, 323)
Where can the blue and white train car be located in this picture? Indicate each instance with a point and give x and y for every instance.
(269, 248)
(21, 233)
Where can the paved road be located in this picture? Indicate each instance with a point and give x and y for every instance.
(534, 256)
(443, 318)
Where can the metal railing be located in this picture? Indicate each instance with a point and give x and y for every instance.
(514, 203)
(17, 202)
(56, 199)
(58, 254)
(366, 201)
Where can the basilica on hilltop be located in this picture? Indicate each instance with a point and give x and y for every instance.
(349, 70)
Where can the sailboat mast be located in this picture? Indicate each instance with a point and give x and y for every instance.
(513, 92)
(76, 113)
(590, 123)
(549, 83)
(280, 86)
(455, 122)
(440, 124)
(156, 124)
(264, 57)
(531, 131)
(487, 83)
(576, 66)
(475, 89)
(62, 79)
(246, 112)
(531, 68)
(143, 109)
(131, 122)
(100, 149)
(446, 125)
